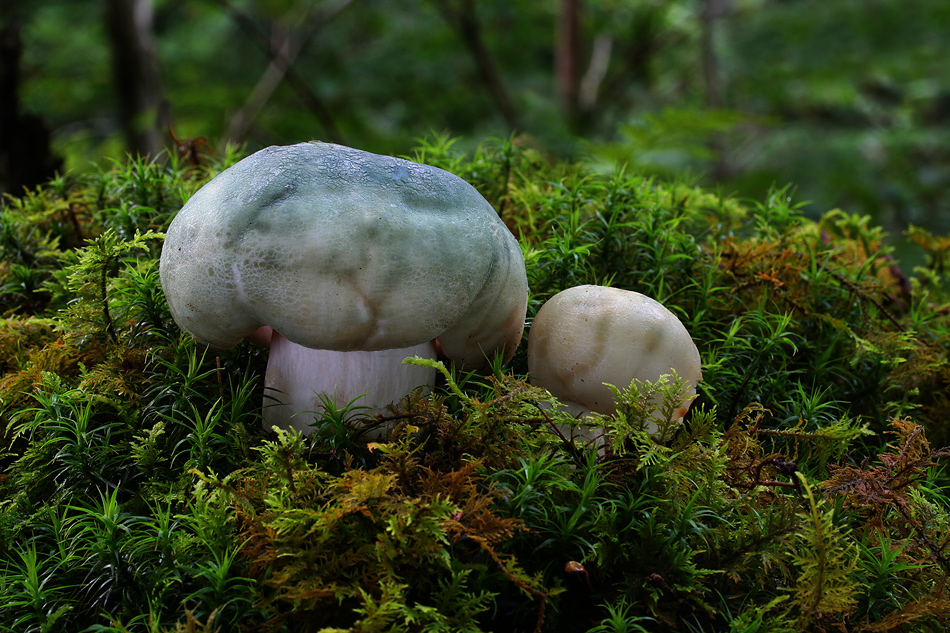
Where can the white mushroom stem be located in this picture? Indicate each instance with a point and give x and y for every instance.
(297, 375)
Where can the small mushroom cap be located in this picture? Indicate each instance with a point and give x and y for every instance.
(340, 249)
(586, 336)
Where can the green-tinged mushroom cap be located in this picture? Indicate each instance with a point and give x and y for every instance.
(339, 249)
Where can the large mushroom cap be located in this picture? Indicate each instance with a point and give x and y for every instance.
(340, 249)
(586, 336)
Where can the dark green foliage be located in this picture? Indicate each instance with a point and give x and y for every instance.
(139, 491)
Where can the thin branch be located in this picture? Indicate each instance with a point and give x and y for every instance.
(568, 43)
(936, 550)
(568, 444)
(464, 20)
(712, 11)
(594, 77)
(280, 67)
(284, 53)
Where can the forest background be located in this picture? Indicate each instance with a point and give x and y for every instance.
(140, 492)
(848, 100)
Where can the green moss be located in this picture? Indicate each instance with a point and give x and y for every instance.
(139, 492)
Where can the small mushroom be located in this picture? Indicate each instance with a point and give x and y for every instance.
(586, 336)
(345, 262)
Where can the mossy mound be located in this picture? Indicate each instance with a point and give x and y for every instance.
(139, 491)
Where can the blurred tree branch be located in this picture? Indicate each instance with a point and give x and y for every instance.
(712, 13)
(282, 49)
(463, 18)
(634, 50)
(579, 94)
(596, 72)
(135, 72)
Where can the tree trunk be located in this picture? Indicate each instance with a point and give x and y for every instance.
(135, 73)
(9, 108)
(568, 40)
(26, 157)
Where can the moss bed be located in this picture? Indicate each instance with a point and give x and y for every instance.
(805, 490)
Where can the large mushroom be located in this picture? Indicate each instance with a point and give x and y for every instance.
(586, 336)
(356, 261)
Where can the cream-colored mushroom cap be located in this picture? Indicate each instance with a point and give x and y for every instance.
(340, 249)
(586, 336)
